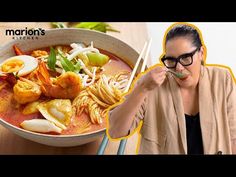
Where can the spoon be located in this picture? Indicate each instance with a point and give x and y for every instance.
(177, 74)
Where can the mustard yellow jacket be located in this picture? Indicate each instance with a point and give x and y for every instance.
(164, 130)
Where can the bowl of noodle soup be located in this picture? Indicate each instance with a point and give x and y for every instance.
(56, 90)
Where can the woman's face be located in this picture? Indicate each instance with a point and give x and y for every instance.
(179, 46)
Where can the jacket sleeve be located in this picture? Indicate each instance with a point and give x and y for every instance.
(231, 104)
(139, 116)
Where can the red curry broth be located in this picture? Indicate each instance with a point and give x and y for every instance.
(11, 112)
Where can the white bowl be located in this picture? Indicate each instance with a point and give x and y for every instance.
(67, 36)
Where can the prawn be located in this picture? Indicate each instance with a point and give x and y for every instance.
(67, 86)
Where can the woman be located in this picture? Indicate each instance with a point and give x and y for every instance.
(191, 112)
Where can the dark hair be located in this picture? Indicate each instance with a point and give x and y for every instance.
(183, 30)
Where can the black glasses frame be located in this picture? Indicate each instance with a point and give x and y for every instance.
(178, 59)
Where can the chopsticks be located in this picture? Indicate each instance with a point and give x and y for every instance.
(123, 142)
(138, 61)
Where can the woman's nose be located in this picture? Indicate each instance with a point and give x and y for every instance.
(179, 67)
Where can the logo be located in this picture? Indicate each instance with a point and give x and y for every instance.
(26, 33)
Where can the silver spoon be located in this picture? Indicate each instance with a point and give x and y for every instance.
(177, 74)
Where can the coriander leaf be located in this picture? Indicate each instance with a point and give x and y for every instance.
(66, 64)
(52, 59)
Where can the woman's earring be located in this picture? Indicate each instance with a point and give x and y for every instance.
(202, 62)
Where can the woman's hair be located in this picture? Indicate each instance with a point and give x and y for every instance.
(183, 30)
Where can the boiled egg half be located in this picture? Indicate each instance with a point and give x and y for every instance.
(22, 64)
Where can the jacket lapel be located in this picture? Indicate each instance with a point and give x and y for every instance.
(206, 111)
(178, 106)
(205, 108)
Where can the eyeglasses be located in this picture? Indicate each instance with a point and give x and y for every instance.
(184, 59)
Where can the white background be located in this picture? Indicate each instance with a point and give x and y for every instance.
(219, 38)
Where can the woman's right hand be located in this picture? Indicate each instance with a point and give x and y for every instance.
(153, 78)
(122, 117)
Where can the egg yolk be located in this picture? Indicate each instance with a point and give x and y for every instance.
(13, 65)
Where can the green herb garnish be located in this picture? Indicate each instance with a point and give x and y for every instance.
(59, 25)
(52, 59)
(97, 26)
(66, 64)
(77, 67)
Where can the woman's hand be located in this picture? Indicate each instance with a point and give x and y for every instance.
(122, 117)
(153, 78)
